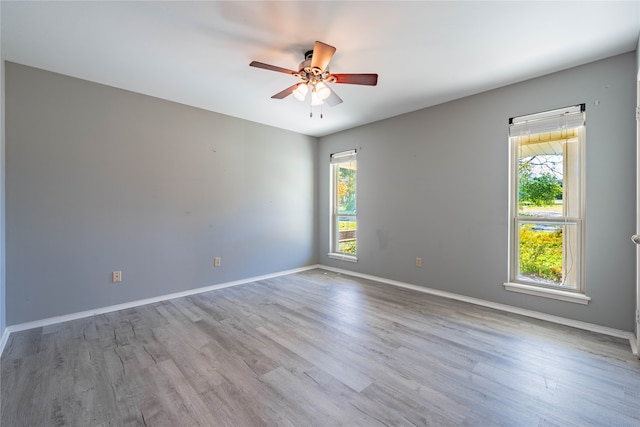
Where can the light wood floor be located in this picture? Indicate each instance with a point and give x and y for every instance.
(316, 348)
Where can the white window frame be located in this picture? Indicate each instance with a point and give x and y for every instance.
(570, 117)
(335, 160)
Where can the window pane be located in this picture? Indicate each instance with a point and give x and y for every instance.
(540, 176)
(346, 197)
(541, 258)
(347, 228)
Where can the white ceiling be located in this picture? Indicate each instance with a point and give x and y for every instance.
(426, 53)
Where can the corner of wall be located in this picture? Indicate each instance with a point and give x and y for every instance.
(317, 202)
(638, 57)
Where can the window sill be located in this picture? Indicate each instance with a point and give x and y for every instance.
(548, 293)
(342, 257)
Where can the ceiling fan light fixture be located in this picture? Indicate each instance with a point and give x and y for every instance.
(323, 91)
(301, 92)
(315, 99)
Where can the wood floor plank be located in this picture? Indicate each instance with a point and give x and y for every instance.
(318, 408)
(316, 348)
(347, 373)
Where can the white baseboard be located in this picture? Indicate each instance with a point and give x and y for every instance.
(484, 303)
(4, 339)
(497, 306)
(101, 310)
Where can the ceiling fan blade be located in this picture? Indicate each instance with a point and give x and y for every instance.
(322, 54)
(357, 79)
(333, 99)
(271, 67)
(288, 91)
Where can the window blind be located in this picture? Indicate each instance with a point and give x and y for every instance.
(344, 156)
(563, 118)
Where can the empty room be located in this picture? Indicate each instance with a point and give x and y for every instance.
(319, 213)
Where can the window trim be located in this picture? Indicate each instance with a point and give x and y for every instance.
(546, 292)
(337, 158)
(515, 284)
(342, 257)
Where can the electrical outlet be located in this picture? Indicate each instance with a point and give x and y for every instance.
(418, 262)
(217, 261)
(116, 276)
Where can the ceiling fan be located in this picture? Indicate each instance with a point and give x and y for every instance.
(314, 72)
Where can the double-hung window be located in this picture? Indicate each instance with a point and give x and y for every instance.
(344, 223)
(547, 203)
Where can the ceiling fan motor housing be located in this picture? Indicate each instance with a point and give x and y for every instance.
(308, 73)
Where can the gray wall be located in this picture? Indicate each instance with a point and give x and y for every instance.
(637, 141)
(100, 179)
(3, 304)
(433, 184)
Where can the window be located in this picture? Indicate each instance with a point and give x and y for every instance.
(344, 223)
(547, 201)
